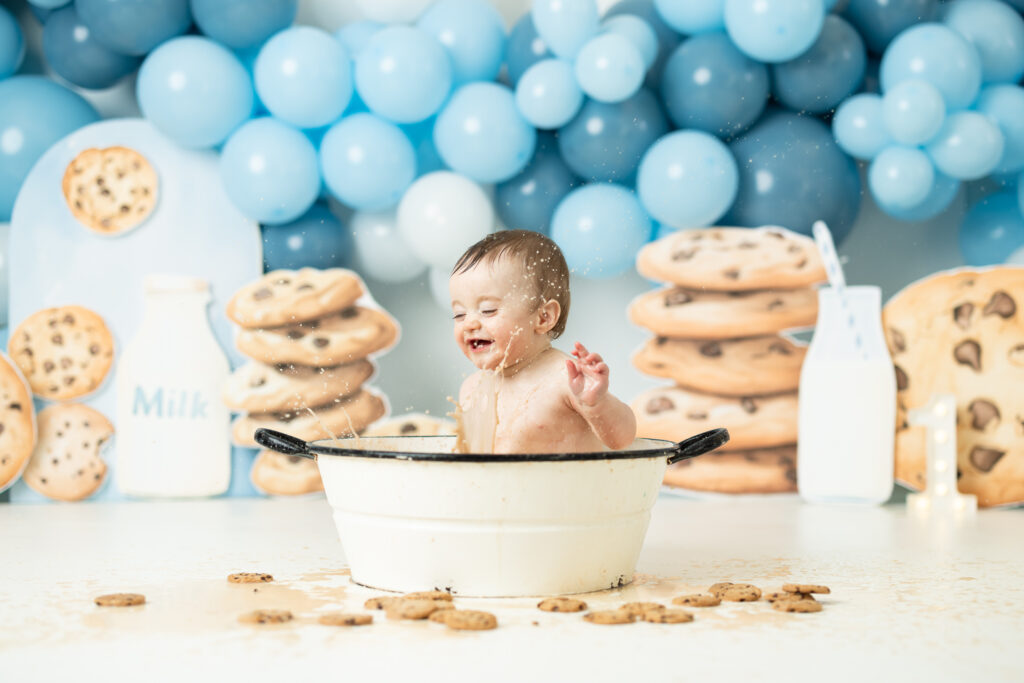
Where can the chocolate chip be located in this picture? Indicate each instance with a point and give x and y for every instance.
(794, 248)
(296, 333)
(94, 349)
(779, 347)
(748, 405)
(968, 353)
(262, 293)
(985, 458)
(69, 380)
(66, 363)
(68, 319)
(802, 263)
(57, 339)
(747, 244)
(321, 342)
(304, 286)
(55, 461)
(711, 349)
(15, 406)
(962, 315)
(983, 412)
(902, 381)
(776, 234)
(696, 415)
(408, 428)
(775, 304)
(350, 312)
(48, 366)
(1001, 304)
(683, 254)
(791, 474)
(899, 342)
(1016, 355)
(677, 297)
(959, 473)
(258, 381)
(732, 273)
(660, 405)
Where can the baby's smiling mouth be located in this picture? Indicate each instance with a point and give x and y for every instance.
(479, 344)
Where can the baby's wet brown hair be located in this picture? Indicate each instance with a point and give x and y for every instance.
(541, 259)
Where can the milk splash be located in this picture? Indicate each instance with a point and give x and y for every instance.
(476, 427)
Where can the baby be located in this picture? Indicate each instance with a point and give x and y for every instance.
(510, 299)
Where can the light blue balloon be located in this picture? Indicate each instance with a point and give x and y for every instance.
(993, 228)
(913, 111)
(774, 30)
(600, 228)
(12, 44)
(900, 177)
(937, 54)
(304, 77)
(609, 68)
(367, 162)
(967, 147)
(270, 172)
(481, 134)
(687, 179)
(524, 48)
(997, 33)
(77, 57)
(668, 39)
(879, 21)
(637, 31)
(1004, 104)
(243, 23)
(134, 27)
(859, 126)
(356, 34)
(565, 25)
(692, 16)
(943, 192)
(823, 76)
(473, 33)
(548, 95)
(35, 112)
(194, 90)
(403, 74)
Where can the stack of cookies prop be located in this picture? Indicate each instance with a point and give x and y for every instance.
(310, 334)
(728, 294)
(962, 333)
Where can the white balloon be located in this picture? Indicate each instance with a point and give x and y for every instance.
(439, 287)
(393, 11)
(441, 215)
(329, 15)
(1016, 258)
(381, 253)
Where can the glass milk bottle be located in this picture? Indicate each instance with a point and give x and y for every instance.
(172, 427)
(847, 414)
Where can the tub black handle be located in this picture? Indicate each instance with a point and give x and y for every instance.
(283, 443)
(704, 442)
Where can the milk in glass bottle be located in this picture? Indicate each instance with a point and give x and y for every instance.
(172, 428)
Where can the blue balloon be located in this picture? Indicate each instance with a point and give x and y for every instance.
(637, 31)
(693, 16)
(900, 177)
(367, 162)
(944, 190)
(49, 4)
(304, 77)
(879, 21)
(967, 147)
(774, 30)
(356, 34)
(708, 84)
(134, 27)
(315, 240)
(481, 134)
(792, 174)
(243, 23)
(195, 91)
(269, 170)
(668, 39)
(35, 112)
(421, 135)
(997, 33)
(548, 95)
(606, 141)
(913, 112)
(609, 68)
(473, 33)
(524, 48)
(77, 57)
(12, 44)
(1004, 104)
(993, 228)
(687, 179)
(403, 74)
(528, 200)
(1020, 192)
(565, 25)
(939, 55)
(600, 227)
(819, 79)
(859, 126)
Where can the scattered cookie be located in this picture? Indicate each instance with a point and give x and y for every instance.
(110, 191)
(352, 413)
(64, 352)
(66, 463)
(638, 609)
(806, 588)
(762, 470)
(667, 616)
(697, 600)
(470, 620)
(283, 297)
(797, 605)
(266, 616)
(276, 474)
(121, 600)
(739, 592)
(259, 388)
(411, 609)
(610, 616)
(715, 588)
(428, 595)
(17, 423)
(250, 577)
(342, 619)
(783, 595)
(381, 602)
(561, 605)
(441, 615)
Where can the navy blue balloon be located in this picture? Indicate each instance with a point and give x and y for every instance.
(73, 52)
(240, 24)
(993, 228)
(528, 200)
(879, 21)
(315, 240)
(668, 39)
(708, 84)
(819, 79)
(792, 173)
(524, 48)
(134, 27)
(606, 140)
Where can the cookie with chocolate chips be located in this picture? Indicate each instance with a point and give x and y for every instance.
(276, 474)
(753, 421)
(17, 423)
(704, 314)
(259, 388)
(67, 463)
(765, 470)
(110, 191)
(962, 332)
(64, 352)
(730, 367)
(411, 424)
(284, 297)
(343, 418)
(733, 259)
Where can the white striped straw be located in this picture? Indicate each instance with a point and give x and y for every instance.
(823, 238)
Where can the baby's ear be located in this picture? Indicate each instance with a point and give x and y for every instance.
(547, 316)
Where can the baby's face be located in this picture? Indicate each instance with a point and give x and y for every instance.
(495, 309)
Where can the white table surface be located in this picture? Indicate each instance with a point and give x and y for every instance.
(909, 601)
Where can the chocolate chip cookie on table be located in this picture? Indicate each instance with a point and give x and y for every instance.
(17, 423)
(962, 332)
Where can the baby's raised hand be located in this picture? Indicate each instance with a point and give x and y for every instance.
(588, 376)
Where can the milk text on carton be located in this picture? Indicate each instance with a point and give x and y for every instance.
(170, 403)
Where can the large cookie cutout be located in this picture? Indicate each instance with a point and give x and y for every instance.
(111, 190)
